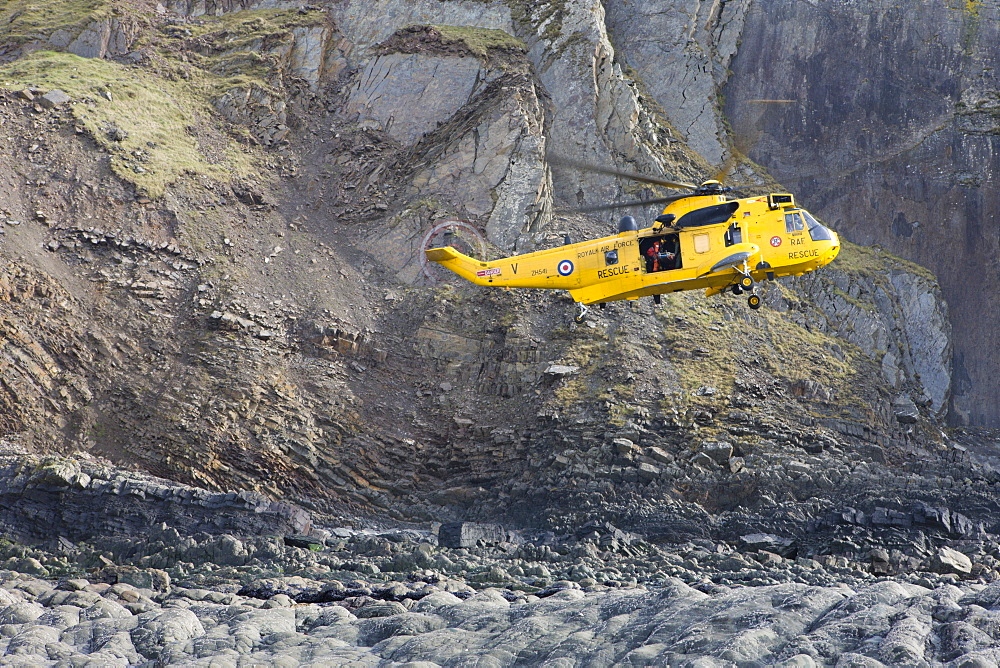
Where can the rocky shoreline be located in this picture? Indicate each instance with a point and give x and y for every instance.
(399, 598)
(275, 586)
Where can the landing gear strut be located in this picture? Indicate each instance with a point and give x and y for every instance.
(745, 284)
(581, 312)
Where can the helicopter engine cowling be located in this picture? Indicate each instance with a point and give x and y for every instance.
(627, 224)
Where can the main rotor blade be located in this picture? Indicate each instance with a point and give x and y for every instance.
(625, 205)
(746, 186)
(611, 171)
(725, 168)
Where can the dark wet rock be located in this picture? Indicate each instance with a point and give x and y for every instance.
(305, 542)
(75, 499)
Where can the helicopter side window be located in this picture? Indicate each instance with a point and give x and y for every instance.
(734, 235)
(611, 257)
(793, 223)
(702, 244)
(817, 231)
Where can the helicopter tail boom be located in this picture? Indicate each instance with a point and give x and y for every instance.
(546, 269)
(493, 272)
(468, 268)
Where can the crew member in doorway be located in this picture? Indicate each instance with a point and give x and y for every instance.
(653, 257)
(658, 258)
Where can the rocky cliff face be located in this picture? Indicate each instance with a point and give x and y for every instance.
(895, 313)
(881, 118)
(214, 249)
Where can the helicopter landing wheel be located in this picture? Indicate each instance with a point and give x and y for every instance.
(746, 282)
(737, 289)
(753, 301)
(581, 313)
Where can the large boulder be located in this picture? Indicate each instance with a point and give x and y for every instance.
(947, 560)
(471, 534)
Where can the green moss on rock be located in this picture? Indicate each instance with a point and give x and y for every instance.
(481, 40)
(31, 20)
(151, 126)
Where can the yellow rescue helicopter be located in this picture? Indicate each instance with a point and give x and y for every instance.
(703, 239)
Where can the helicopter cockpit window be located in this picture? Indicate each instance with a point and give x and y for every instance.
(734, 235)
(611, 257)
(816, 230)
(793, 223)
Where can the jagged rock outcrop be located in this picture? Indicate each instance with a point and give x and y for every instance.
(100, 35)
(476, 122)
(365, 28)
(681, 53)
(597, 113)
(405, 93)
(897, 316)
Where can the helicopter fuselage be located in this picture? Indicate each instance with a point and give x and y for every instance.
(711, 243)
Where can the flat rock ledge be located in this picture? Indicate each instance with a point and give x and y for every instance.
(42, 498)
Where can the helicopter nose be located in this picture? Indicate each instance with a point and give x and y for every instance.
(830, 253)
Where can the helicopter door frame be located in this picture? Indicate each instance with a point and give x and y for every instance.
(671, 244)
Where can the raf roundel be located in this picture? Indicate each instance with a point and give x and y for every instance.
(565, 268)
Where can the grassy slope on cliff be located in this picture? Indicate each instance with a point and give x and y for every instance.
(158, 121)
(37, 20)
(147, 123)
